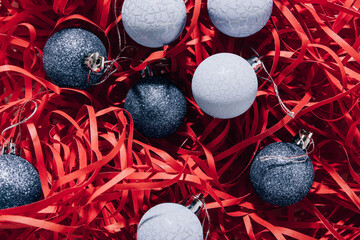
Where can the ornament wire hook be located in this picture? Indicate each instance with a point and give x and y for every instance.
(207, 217)
(196, 204)
(10, 145)
(98, 65)
(122, 45)
(276, 89)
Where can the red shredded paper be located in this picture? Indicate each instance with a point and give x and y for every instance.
(99, 176)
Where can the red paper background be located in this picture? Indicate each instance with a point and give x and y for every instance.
(99, 176)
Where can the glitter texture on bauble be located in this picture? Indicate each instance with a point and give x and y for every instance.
(239, 18)
(224, 85)
(157, 106)
(282, 174)
(154, 23)
(169, 221)
(64, 58)
(19, 182)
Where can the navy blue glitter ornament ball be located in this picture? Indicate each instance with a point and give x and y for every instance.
(157, 106)
(19, 182)
(65, 55)
(282, 173)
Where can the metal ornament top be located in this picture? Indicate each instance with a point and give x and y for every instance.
(255, 63)
(95, 62)
(194, 203)
(10, 148)
(303, 139)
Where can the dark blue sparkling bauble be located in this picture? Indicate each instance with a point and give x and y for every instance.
(19, 182)
(157, 107)
(280, 180)
(64, 55)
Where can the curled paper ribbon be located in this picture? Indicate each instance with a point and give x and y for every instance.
(99, 176)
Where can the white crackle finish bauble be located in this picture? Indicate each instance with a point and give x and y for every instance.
(239, 18)
(224, 85)
(154, 23)
(169, 221)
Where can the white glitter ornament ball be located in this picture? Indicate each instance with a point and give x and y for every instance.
(169, 221)
(154, 23)
(239, 18)
(224, 85)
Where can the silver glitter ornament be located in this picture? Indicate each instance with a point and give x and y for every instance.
(74, 58)
(19, 182)
(157, 106)
(282, 173)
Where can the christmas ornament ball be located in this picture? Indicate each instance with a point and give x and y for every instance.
(19, 182)
(224, 85)
(281, 174)
(157, 106)
(168, 221)
(154, 23)
(64, 57)
(239, 18)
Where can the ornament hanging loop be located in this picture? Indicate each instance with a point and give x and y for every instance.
(10, 147)
(196, 204)
(258, 65)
